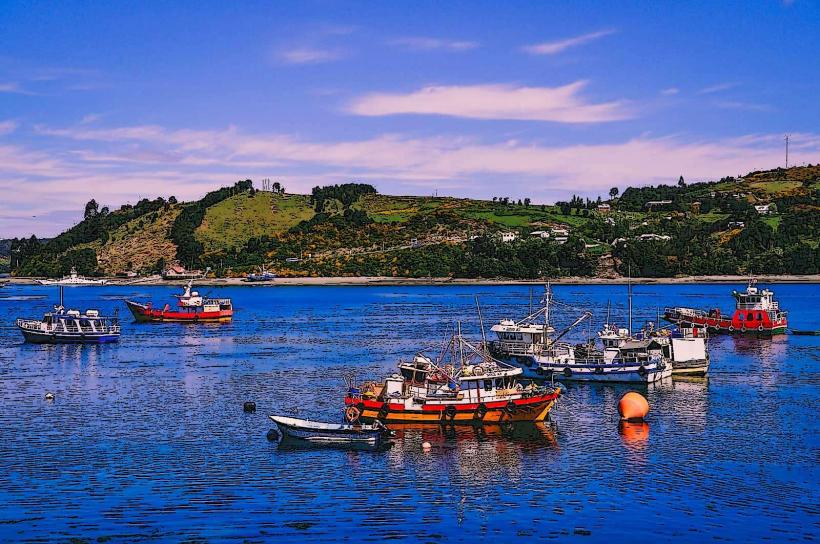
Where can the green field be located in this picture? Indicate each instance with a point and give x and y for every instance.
(234, 221)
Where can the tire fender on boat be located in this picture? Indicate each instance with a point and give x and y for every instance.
(731, 328)
(760, 328)
(642, 371)
(352, 414)
(567, 372)
(384, 410)
(539, 371)
(599, 370)
(743, 328)
(450, 411)
(511, 408)
(481, 411)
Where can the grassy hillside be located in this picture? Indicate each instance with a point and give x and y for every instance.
(350, 230)
(234, 221)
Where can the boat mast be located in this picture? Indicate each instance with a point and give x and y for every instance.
(481, 322)
(629, 289)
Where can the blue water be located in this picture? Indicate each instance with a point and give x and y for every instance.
(146, 440)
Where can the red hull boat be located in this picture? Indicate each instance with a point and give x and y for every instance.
(756, 312)
(190, 308)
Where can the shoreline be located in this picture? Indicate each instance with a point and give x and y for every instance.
(398, 281)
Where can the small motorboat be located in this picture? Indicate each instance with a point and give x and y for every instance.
(330, 434)
(263, 276)
(805, 332)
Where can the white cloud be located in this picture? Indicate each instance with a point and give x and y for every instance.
(125, 163)
(671, 91)
(501, 101)
(555, 47)
(419, 43)
(720, 87)
(14, 88)
(744, 106)
(309, 55)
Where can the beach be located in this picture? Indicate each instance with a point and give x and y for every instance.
(398, 281)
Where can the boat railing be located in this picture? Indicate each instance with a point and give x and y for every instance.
(516, 348)
(220, 301)
(685, 311)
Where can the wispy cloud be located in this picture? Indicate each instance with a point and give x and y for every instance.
(671, 91)
(745, 106)
(720, 87)
(14, 88)
(555, 47)
(310, 55)
(501, 101)
(7, 127)
(420, 43)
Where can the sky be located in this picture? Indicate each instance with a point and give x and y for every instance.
(120, 101)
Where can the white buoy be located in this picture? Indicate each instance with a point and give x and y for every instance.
(49, 396)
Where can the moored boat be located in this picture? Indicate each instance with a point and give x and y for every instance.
(263, 276)
(529, 344)
(330, 434)
(62, 326)
(756, 312)
(191, 308)
(73, 279)
(472, 388)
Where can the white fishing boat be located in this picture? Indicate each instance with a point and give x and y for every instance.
(73, 279)
(687, 348)
(530, 345)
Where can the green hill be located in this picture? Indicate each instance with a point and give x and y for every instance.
(701, 228)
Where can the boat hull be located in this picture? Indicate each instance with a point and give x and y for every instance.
(533, 409)
(690, 318)
(694, 367)
(539, 370)
(40, 337)
(146, 314)
(326, 434)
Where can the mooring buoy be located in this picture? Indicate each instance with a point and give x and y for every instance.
(633, 407)
(273, 435)
(49, 396)
(249, 407)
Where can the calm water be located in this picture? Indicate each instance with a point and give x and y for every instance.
(146, 440)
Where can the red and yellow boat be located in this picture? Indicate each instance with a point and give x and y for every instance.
(477, 390)
(191, 308)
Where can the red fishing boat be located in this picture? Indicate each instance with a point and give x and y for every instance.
(191, 307)
(756, 312)
(471, 389)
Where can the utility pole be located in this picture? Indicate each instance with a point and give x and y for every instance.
(787, 150)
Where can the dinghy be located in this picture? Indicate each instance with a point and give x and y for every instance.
(331, 434)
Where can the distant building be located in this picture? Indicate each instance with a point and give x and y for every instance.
(764, 209)
(653, 236)
(604, 208)
(695, 207)
(657, 204)
(736, 224)
(558, 231)
(178, 272)
(540, 233)
(509, 236)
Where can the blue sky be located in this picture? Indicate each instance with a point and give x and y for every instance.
(119, 101)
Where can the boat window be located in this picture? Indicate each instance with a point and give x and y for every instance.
(488, 385)
(750, 316)
(760, 316)
(499, 383)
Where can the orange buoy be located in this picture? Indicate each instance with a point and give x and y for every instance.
(633, 406)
